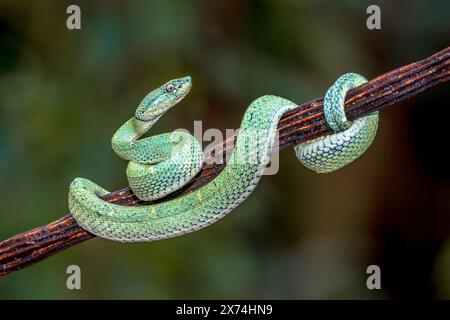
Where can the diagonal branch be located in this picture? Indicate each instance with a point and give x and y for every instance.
(304, 123)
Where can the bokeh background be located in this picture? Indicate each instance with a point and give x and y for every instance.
(300, 235)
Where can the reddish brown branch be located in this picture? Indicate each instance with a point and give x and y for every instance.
(303, 123)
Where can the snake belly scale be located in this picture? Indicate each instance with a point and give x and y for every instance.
(161, 164)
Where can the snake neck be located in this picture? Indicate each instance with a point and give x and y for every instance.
(128, 133)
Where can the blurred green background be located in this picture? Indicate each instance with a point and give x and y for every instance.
(300, 235)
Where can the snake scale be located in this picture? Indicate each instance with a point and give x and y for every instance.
(161, 164)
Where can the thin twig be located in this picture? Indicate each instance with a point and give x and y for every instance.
(304, 123)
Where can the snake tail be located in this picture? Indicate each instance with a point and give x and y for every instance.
(160, 164)
(351, 139)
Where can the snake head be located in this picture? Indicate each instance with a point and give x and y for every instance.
(162, 99)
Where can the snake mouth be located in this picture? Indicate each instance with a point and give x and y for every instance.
(140, 117)
(184, 86)
(163, 99)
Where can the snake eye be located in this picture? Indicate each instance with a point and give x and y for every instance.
(170, 88)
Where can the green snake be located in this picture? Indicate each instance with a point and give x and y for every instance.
(161, 164)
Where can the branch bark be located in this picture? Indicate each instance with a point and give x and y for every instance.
(304, 123)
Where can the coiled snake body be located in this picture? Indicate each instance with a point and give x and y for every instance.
(164, 163)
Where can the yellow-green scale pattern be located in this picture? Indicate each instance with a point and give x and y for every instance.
(161, 164)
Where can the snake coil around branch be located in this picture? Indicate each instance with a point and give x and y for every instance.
(300, 124)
